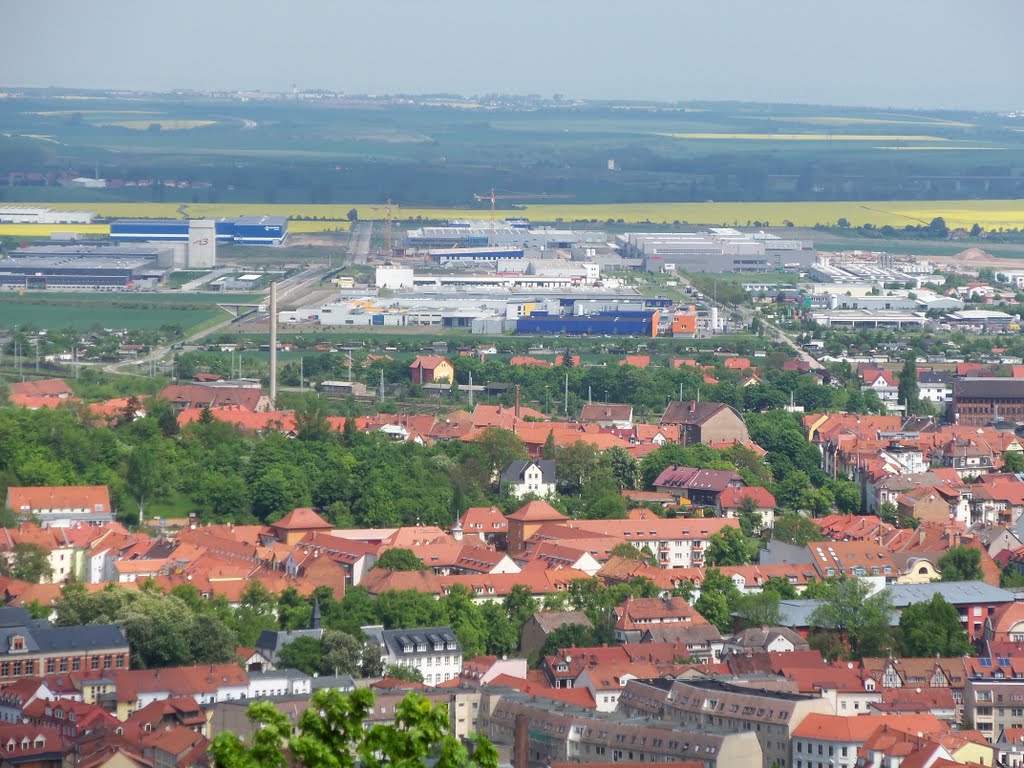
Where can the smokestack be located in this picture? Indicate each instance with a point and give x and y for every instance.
(517, 402)
(273, 346)
(521, 742)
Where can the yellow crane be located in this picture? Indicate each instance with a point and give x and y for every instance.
(493, 197)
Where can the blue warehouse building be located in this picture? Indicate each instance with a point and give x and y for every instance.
(244, 230)
(618, 323)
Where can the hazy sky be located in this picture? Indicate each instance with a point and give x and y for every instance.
(900, 53)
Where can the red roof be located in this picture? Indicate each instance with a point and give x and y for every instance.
(537, 512)
(732, 498)
(43, 388)
(94, 498)
(428, 362)
(301, 519)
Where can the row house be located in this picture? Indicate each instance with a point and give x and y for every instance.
(835, 741)
(675, 542)
(636, 615)
(709, 705)
(61, 506)
(701, 487)
(30, 648)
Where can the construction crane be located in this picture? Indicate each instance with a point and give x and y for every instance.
(495, 197)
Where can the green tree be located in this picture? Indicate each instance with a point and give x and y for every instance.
(750, 518)
(624, 468)
(730, 547)
(576, 466)
(148, 475)
(780, 587)
(311, 419)
(933, 629)
(628, 551)
(908, 392)
(302, 653)
(27, 562)
(961, 564)
(403, 673)
(858, 619)
(568, 636)
(1013, 461)
(760, 609)
(331, 734)
(399, 559)
(499, 447)
(718, 596)
(794, 528)
(548, 451)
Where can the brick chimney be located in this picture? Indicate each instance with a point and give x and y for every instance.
(521, 742)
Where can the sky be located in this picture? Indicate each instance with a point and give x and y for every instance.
(917, 54)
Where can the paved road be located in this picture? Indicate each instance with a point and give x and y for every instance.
(772, 330)
(359, 242)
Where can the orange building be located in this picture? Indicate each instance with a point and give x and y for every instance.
(684, 324)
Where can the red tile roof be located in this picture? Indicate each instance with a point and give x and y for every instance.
(94, 498)
(537, 511)
(300, 519)
(44, 388)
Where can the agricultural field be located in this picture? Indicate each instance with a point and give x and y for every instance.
(435, 154)
(112, 310)
(990, 214)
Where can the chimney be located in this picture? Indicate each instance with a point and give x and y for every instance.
(273, 345)
(521, 742)
(518, 410)
(693, 406)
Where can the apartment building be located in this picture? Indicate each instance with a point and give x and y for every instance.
(434, 651)
(713, 706)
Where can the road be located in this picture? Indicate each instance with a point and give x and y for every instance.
(295, 286)
(359, 239)
(772, 331)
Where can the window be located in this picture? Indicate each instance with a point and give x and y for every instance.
(94, 662)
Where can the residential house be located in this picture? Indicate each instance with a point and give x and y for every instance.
(434, 651)
(30, 648)
(935, 387)
(525, 521)
(123, 691)
(701, 486)
(974, 600)
(272, 641)
(759, 500)
(771, 715)
(44, 393)
(706, 422)
(428, 369)
(297, 524)
(608, 415)
(836, 740)
(766, 640)
(183, 396)
(529, 477)
(61, 506)
(636, 615)
(486, 523)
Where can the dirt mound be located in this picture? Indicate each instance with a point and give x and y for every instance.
(974, 254)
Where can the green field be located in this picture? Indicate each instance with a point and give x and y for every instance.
(86, 311)
(434, 155)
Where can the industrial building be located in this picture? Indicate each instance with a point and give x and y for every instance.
(86, 266)
(81, 273)
(639, 323)
(23, 214)
(544, 273)
(449, 257)
(868, 318)
(719, 249)
(982, 401)
(244, 230)
(512, 233)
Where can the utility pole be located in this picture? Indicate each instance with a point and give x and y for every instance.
(381, 386)
(567, 394)
(590, 394)
(470, 389)
(302, 375)
(350, 367)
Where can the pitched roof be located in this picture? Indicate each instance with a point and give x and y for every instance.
(197, 396)
(693, 412)
(41, 388)
(428, 362)
(94, 498)
(301, 518)
(858, 729)
(537, 511)
(732, 498)
(606, 412)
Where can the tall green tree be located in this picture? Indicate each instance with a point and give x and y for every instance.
(27, 562)
(933, 629)
(730, 546)
(859, 620)
(908, 391)
(399, 559)
(961, 564)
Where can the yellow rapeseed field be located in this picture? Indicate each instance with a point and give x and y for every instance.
(801, 137)
(990, 214)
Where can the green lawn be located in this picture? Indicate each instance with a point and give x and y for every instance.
(84, 312)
